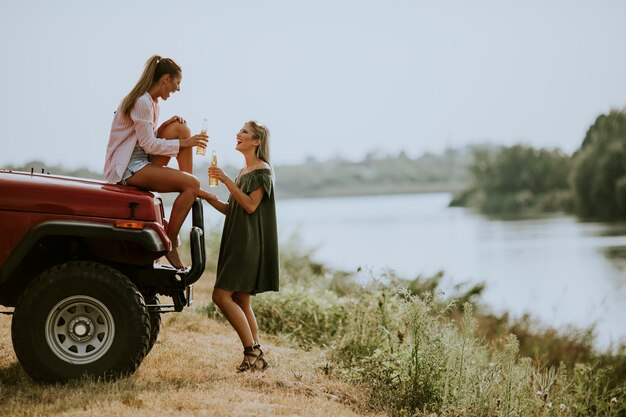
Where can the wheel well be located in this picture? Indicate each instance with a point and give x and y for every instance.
(45, 253)
(54, 250)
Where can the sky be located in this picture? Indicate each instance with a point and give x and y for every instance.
(329, 77)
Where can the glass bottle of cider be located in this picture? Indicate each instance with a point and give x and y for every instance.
(199, 149)
(212, 180)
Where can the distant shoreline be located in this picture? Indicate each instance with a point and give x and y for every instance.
(372, 191)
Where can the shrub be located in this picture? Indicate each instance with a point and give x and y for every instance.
(308, 318)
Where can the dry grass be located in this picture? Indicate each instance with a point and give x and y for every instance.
(189, 372)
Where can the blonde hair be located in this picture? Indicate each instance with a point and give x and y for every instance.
(262, 133)
(155, 68)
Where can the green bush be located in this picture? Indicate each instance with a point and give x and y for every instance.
(308, 318)
(599, 168)
(518, 180)
(415, 360)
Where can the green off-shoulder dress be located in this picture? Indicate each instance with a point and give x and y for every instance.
(248, 259)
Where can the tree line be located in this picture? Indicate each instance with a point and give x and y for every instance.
(520, 179)
(376, 174)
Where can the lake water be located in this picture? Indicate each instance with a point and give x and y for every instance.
(561, 271)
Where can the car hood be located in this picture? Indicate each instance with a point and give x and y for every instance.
(21, 191)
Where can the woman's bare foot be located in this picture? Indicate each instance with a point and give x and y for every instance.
(174, 260)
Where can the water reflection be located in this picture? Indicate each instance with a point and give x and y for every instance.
(617, 256)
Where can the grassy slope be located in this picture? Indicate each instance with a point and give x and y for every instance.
(190, 371)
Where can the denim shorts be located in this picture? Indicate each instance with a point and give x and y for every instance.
(138, 160)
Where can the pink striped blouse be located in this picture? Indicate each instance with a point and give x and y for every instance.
(139, 128)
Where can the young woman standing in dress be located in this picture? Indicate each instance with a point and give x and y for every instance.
(138, 152)
(248, 258)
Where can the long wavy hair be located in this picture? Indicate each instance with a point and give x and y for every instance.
(262, 133)
(155, 68)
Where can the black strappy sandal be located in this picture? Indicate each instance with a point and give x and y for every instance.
(246, 365)
(261, 357)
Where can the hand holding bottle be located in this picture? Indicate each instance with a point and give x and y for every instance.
(213, 180)
(199, 140)
(217, 174)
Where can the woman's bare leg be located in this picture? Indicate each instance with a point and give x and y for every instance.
(243, 301)
(234, 314)
(163, 179)
(176, 130)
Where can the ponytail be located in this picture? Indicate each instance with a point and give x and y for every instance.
(154, 69)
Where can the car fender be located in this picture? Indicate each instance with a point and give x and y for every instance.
(146, 237)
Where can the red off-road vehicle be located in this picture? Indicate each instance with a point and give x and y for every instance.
(77, 263)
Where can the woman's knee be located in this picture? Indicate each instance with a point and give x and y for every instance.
(175, 130)
(187, 183)
(219, 296)
(193, 184)
(183, 130)
(241, 299)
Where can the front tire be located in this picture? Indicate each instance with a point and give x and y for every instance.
(80, 318)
